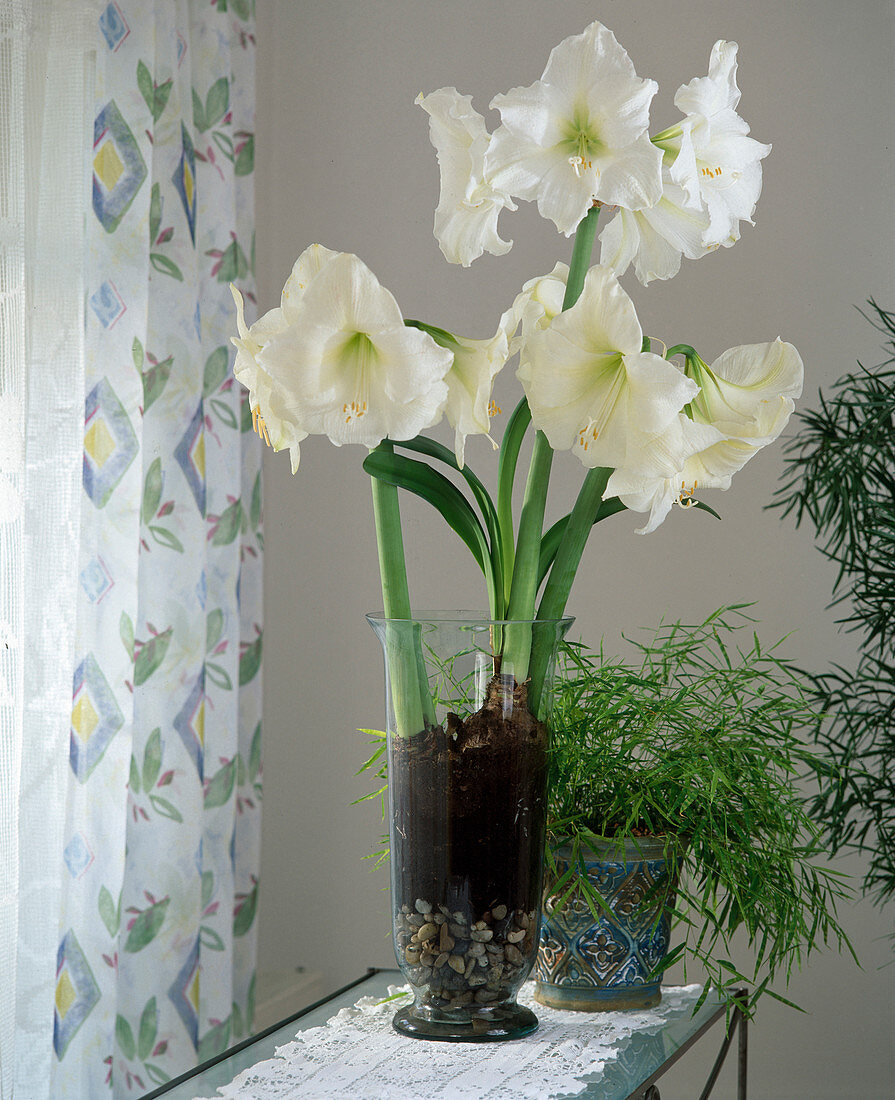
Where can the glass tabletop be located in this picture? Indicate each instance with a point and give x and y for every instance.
(640, 1061)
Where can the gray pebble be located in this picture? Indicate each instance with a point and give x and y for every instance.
(427, 931)
(516, 937)
(499, 912)
(458, 963)
(481, 934)
(423, 906)
(514, 955)
(441, 960)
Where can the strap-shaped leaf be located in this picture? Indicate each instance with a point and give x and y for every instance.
(423, 481)
(551, 540)
(515, 431)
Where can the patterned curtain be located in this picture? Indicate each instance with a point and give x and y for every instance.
(155, 904)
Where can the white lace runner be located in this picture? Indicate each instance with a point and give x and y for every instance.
(358, 1054)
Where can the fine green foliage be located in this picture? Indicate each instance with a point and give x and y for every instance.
(698, 740)
(840, 476)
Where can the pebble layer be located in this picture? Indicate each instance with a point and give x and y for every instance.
(458, 958)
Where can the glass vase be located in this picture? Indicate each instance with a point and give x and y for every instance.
(468, 705)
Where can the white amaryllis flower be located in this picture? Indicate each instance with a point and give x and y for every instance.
(347, 367)
(535, 306)
(656, 238)
(468, 206)
(470, 382)
(578, 134)
(710, 153)
(271, 417)
(745, 401)
(592, 390)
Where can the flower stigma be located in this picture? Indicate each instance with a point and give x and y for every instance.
(685, 498)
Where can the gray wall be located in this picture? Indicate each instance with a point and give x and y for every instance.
(344, 159)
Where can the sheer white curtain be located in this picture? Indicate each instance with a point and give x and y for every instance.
(47, 60)
(130, 544)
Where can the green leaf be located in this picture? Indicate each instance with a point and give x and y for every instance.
(165, 266)
(108, 912)
(125, 1037)
(218, 675)
(217, 102)
(126, 630)
(152, 759)
(154, 381)
(210, 939)
(229, 525)
(705, 508)
(215, 1041)
(137, 353)
(165, 808)
(167, 538)
(151, 656)
(245, 420)
(221, 786)
(245, 158)
(419, 479)
(155, 213)
(152, 491)
(250, 662)
(157, 1075)
(216, 369)
(160, 99)
(233, 264)
(148, 1030)
(255, 506)
(207, 887)
(225, 143)
(198, 113)
(214, 627)
(144, 83)
(255, 754)
(245, 914)
(242, 9)
(224, 412)
(146, 927)
(134, 779)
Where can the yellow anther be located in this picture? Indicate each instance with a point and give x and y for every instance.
(259, 426)
(494, 409)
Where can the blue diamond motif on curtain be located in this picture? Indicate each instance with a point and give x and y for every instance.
(190, 455)
(95, 717)
(107, 304)
(183, 993)
(118, 167)
(184, 179)
(110, 443)
(77, 993)
(190, 723)
(114, 27)
(96, 580)
(77, 856)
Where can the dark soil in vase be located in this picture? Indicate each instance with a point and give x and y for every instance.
(468, 805)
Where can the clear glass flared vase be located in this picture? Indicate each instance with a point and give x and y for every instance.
(468, 706)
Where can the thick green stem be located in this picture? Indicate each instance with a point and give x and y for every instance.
(410, 695)
(523, 591)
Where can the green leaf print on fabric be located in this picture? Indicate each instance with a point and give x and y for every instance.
(166, 538)
(165, 808)
(165, 266)
(225, 143)
(218, 675)
(126, 630)
(156, 1075)
(215, 1041)
(148, 1030)
(155, 213)
(151, 655)
(220, 787)
(156, 95)
(215, 107)
(223, 410)
(227, 526)
(244, 164)
(145, 926)
(134, 780)
(250, 661)
(214, 627)
(210, 939)
(152, 759)
(255, 754)
(255, 507)
(155, 378)
(137, 353)
(245, 422)
(244, 911)
(207, 888)
(217, 367)
(152, 491)
(125, 1037)
(230, 262)
(109, 912)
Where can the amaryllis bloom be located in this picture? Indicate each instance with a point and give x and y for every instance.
(655, 239)
(271, 418)
(578, 134)
(468, 206)
(710, 154)
(470, 382)
(535, 306)
(592, 390)
(744, 402)
(346, 366)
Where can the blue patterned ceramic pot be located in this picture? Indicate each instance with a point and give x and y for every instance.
(605, 963)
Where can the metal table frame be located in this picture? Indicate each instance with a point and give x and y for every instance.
(647, 1090)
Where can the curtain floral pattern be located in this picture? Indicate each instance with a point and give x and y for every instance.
(155, 964)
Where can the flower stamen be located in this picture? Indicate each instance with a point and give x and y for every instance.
(354, 410)
(494, 409)
(685, 497)
(259, 427)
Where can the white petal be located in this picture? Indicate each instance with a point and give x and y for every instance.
(305, 269)
(633, 177)
(706, 95)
